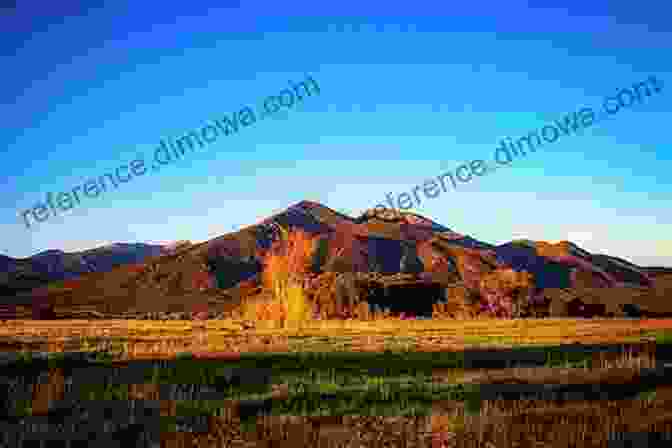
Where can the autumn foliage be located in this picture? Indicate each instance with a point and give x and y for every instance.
(285, 267)
(505, 292)
(288, 259)
(272, 311)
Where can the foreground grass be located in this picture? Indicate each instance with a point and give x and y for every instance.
(341, 395)
(392, 383)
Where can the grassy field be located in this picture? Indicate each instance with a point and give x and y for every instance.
(367, 398)
(369, 384)
(152, 339)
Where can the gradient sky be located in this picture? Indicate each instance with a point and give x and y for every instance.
(408, 91)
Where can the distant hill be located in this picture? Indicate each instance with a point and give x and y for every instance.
(24, 274)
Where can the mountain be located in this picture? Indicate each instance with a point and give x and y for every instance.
(226, 269)
(24, 274)
(371, 240)
(655, 271)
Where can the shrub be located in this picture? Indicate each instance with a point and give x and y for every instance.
(379, 313)
(346, 292)
(340, 264)
(505, 293)
(362, 311)
(558, 308)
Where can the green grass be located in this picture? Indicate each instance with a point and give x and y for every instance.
(323, 383)
(395, 362)
(311, 392)
(647, 395)
(327, 387)
(578, 359)
(663, 337)
(388, 397)
(23, 407)
(399, 343)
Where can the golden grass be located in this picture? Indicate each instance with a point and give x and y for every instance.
(155, 339)
(493, 327)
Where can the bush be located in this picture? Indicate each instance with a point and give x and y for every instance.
(505, 293)
(362, 311)
(340, 264)
(346, 292)
(558, 308)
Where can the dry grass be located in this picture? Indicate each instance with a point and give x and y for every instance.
(536, 422)
(165, 339)
(510, 423)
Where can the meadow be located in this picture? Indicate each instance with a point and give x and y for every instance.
(367, 385)
(164, 339)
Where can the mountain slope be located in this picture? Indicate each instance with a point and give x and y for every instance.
(23, 274)
(210, 271)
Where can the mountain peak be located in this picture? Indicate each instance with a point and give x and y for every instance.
(49, 252)
(307, 203)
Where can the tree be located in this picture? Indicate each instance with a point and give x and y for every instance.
(505, 292)
(340, 264)
(346, 292)
(410, 263)
(558, 308)
(373, 264)
(631, 310)
(319, 256)
(229, 271)
(285, 266)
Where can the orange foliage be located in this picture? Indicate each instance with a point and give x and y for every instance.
(69, 284)
(288, 260)
(202, 280)
(286, 266)
(137, 268)
(249, 284)
(271, 311)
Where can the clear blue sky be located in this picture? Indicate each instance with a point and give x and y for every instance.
(408, 91)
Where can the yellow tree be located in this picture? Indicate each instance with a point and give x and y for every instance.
(285, 267)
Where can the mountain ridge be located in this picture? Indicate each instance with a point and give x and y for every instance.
(372, 242)
(24, 274)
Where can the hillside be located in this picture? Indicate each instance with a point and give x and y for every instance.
(222, 272)
(24, 274)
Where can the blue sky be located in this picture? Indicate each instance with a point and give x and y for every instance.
(407, 92)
